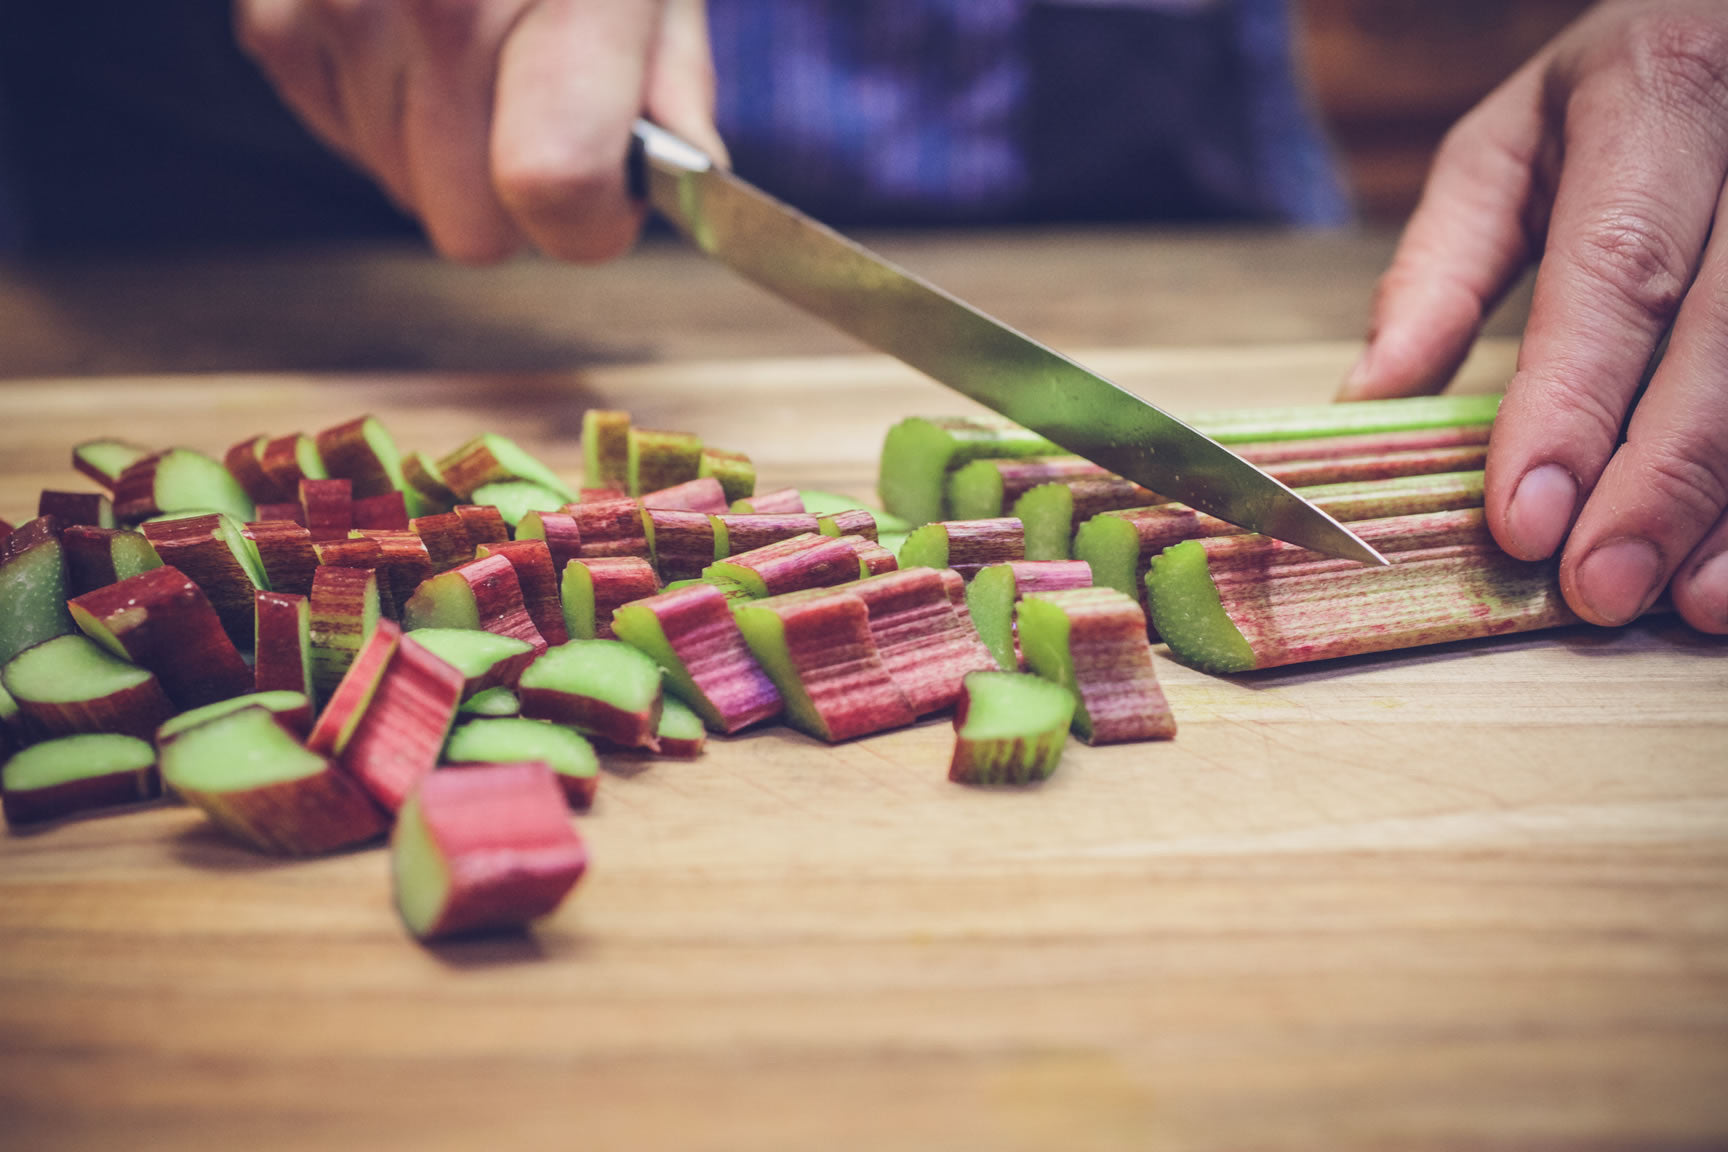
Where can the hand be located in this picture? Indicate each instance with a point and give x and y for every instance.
(494, 122)
(1606, 157)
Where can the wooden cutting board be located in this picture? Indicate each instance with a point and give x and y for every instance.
(1470, 896)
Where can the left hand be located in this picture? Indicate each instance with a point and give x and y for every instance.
(1607, 157)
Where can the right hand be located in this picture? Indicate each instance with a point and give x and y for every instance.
(496, 123)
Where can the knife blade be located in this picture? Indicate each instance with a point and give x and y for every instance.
(811, 265)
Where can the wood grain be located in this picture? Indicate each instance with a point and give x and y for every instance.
(1470, 897)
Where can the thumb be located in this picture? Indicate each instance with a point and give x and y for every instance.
(1463, 245)
(679, 94)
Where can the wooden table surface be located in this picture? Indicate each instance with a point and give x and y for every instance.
(1469, 897)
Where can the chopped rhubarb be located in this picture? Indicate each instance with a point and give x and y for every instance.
(919, 453)
(363, 452)
(33, 593)
(818, 650)
(592, 590)
(657, 459)
(997, 588)
(744, 533)
(403, 728)
(344, 612)
(483, 593)
(491, 458)
(498, 701)
(611, 528)
(484, 849)
(682, 542)
(760, 503)
(988, 488)
(178, 480)
(162, 621)
(89, 508)
(446, 539)
(485, 659)
(680, 733)
(512, 739)
(383, 512)
(922, 641)
(286, 553)
(293, 710)
(255, 781)
(98, 556)
(282, 643)
(691, 633)
(346, 703)
(606, 449)
(403, 563)
(215, 553)
(703, 494)
(74, 774)
(421, 473)
(327, 507)
(562, 534)
(289, 459)
(1010, 728)
(602, 687)
(848, 522)
(538, 578)
(103, 460)
(245, 462)
(799, 562)
(1237, 603)
(71, 684)
(734, 471)
(1093, 641)
(484, 524)
(515, 499)
(965, 545)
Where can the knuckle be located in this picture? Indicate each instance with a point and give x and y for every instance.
(1678, 58)
(1690, 479)
(267, 31)
(1637, 260)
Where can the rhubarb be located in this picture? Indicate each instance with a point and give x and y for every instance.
(733, 470)
(293, 710)
(33, 592)
(489, 459)
(485, 659)
(178, 480)
(103, 460)
(918, 454)
(255, 781)
(1093, 641)
(681, 733)
(922, 641)
(810, 560)
(71, 684)
(289, 459)
(512, 739)
(487, 848)
(1244, 602)
(515, 499)
(344, 611)
(659, 460)
(482, 593)
(682, 542)
(74, 774)
(498, 701)
(704, 494)
(538, 577)
(363, 452)
(610, 528)
(603, 688)
(282, 643)
(346, 703)
(327, 508)
(1010, 728)
(745, 533)
(95, 557)
(760, 503)
(691, 634)
(562, 534)
(997, 588)
(964, 545)
(94, 509)
(403, 727)
(606, 448)
(285, 552)
(594, 589)
(216, 555)
(162, 621)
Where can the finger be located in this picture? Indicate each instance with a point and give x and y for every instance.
(680, 94)
(1700, 591)
(1463, 245)
(570, 86)
(447, 118)
(1667, 486)
(367, 42)
(282, 38)
(1644, 164)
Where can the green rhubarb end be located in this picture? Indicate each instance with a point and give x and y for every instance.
(765, 635)
(1047, 511)
(1012, 730)
(1190, 617)
(637, 626)
(925, 547)
(514, 499)
(77, 757)
(1111, 546)
(975, 491)
(507, 739)
(499, 701)
(990, 602)
(422, 882)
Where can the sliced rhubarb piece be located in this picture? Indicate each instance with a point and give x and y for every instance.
(734, 471)
(965, 545)
(538, 578)
(327, 507)
(256, 782)
(289, 459)
(922, 641)
(489, 459)
(745, 533)
(828, 503)
(286, 553)
(681, 733)
(1120, 544)
(178, 480)
(874, 558)
(403, 728)
(293, 710)
(691, 634)
(499, 701)
(606, 449)
(33, 592)
(515, 499)
(162, 621)
(29, 534)
(344, 612)
(762, 503)
(1010, 728)
(383, 512)
(659, 459)
(484, 524)
(918, 454)
(601, 687)
(682, 542)
(483, 593)
(402, 560)
(245, 462)
(1093, 641)
(849, 522)
(996, 588)
(98, 556)
(485, 659)
(984, 489)
(611, 528)
(1052, 513)
(446, 538)
(71, 684)
(346, 703)
(567, 752)
(1243, 602)
(215, 553)
(703, 494)
(1356, 418)
(422, 474)
(799, 562)
(89, 508)
(282, 643)
(562, 534)
(73, 774)
(364, 452)
(484, 849)
(592, 590)
(818, 651)
(103, 460)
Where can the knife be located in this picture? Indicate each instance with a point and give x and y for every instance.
(889, 308)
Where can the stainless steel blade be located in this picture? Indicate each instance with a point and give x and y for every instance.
(893, 310)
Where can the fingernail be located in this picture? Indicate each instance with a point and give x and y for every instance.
(1710, 586)
(1620, 578)
(1541, 511)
